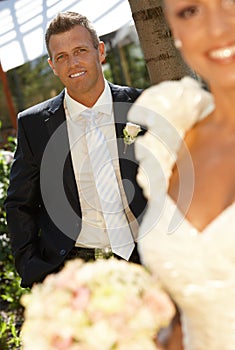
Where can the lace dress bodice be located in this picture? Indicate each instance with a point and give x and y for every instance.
(198, 271)
(196, 268)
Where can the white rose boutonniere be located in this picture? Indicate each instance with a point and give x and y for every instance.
(130, 133)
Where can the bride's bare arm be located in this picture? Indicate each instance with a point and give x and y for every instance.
(170, 338)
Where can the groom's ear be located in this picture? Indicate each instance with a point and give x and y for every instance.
(102, 53)
(51, 64)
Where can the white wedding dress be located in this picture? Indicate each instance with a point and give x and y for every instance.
(197, 269)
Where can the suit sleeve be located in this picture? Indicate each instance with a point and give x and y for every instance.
(23, 202)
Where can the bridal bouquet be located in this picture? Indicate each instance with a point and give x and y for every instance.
(102, 305)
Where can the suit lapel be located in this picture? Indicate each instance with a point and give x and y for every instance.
(58, 136)
(121, 105)
(56, 114)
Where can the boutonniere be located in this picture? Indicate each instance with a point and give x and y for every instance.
(130, 133)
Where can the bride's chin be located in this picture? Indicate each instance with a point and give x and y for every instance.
(223, 79)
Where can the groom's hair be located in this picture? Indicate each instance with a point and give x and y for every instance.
(65, 21)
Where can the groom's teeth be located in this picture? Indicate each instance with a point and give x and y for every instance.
(76, 75)
(223, 53)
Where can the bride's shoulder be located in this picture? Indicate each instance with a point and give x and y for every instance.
(167, 110)
(179, 102)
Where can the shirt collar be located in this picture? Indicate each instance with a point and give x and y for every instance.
(104, 104)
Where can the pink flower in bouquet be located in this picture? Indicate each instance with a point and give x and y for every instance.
(59, 343)
(102, 305)
(81, 298)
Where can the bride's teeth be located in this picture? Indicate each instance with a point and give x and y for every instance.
(224, 53)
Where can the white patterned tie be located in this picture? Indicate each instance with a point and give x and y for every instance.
(120, 236)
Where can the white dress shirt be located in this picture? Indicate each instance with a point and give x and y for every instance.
(93, 233)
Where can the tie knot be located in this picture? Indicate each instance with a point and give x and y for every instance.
(89, 114)
(91, 118)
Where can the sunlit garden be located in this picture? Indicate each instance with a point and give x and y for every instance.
(10, 291)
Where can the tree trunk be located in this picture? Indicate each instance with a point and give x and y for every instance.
(163, 60)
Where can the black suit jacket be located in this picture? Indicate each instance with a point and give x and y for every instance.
(42, 205)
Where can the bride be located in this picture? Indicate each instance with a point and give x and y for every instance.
(187, 170)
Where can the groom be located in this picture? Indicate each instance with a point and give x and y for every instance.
(53, 203)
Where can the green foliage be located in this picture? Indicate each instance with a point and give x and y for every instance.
(10, 290)
(29, 84)
(9, 332)
(133, 60)
(137, 67)
(33, 82)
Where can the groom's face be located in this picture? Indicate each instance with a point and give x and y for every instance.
(77, 63)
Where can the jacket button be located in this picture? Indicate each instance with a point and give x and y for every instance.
(62, 252)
